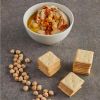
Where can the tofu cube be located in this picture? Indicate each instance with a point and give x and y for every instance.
(70, 84)
(49, 63)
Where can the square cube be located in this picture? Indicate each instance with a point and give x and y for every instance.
(70, 84)
(49, 63)
(83, 61)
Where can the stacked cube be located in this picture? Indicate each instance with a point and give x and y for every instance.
(49, 63)
(83, 62)
(70, 84)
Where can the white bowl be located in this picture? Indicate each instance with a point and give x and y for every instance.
(48, 39)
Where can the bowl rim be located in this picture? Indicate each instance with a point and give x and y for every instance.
(42, 35)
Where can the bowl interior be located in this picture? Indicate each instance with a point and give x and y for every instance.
(32, 9)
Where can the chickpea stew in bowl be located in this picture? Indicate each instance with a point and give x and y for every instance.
(48, 20)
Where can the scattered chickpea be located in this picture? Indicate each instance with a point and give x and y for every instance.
(15, 75)
(12, 51)
(11, 66)
(40, 96)
(20, 78)
(34, 88)
(18, 51)
(34, 83)
(21, 57)
(51, 93)
(45, 90)
(16, 56)
(39, 87)
(24, 81)
(43, 98)
(35, 93)
(15, 59)
(12, 71)
(23, 66)
(45, 94)
(16, 78)
(15, 68)
(21, 69)
(25, 88)
(27, 60)
(28, 83)
(24, 74)
(18, 65)
(26, 77)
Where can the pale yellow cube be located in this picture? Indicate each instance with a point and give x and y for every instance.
(70, 84)
(83, 60)
(49, 63)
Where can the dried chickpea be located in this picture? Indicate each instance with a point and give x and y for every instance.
(27, 60)
(20, 78)
(23, 66)
(11, 66)
(21, 69)
(18, 65)
(24, 74)
(28, 83)
(25, 88)
(18, 51)
(35, 93)
(26, 77)
(34, 88)
(51, 93)
(16, 56)
(39, 87)
(21, 57)
(15, 68)
(17, 71)
(18, 61)
(15, 75)
(43, 98)
(24, 81)
(12, 71)
(15, 59)
(37, 99)
(15, 64)
(34, 83)
(12, 51)
(45, 94)
(40, 96)
(16, 78)
(45, 90)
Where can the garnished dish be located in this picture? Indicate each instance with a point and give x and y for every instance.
(48, 20)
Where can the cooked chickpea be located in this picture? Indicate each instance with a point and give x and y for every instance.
(26, 77)
(25, 88)
(39, 87)
(34, 83)
(35, 92)
(27, 60)
(12, 71)
(21, 69)
(28, 83)
(12, 51)
(18, 51)
(45, 94)
(23, 66)
(51, 93)
(34, 88)
(20, 78)
(11, 66)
